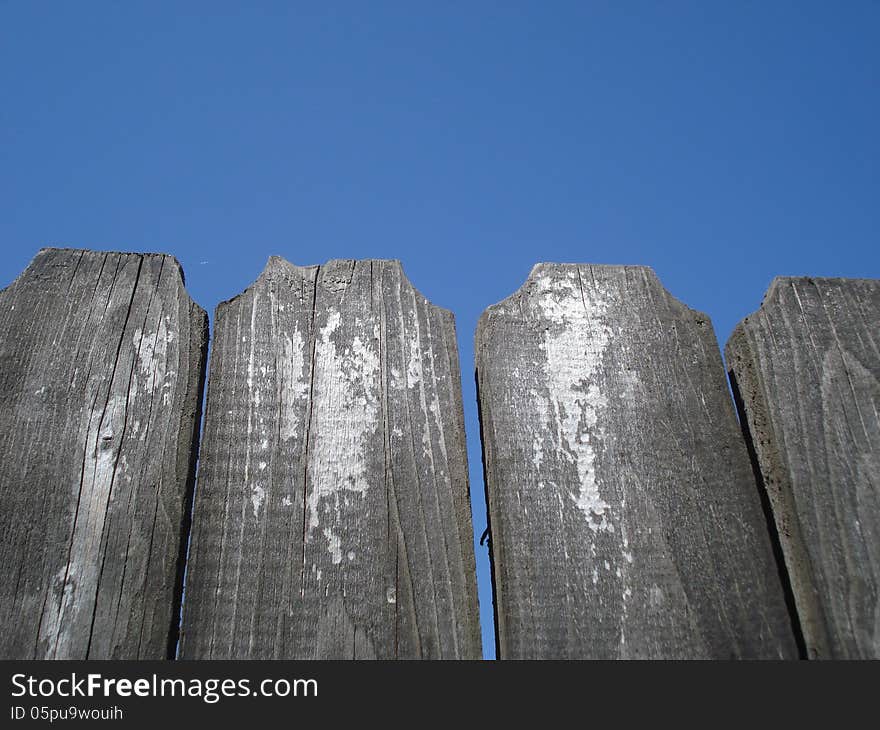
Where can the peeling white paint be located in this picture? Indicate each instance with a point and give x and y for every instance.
(426, 440)
(574, 345)
(152, 356)
(294, 382)
(334, 546)
(346, 410)
(258, 490)
(537, 450)
(258, 495)
(414, 366)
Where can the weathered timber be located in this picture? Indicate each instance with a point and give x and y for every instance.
(102, 357)
(332, 516)
(625, 517)
(806, 369)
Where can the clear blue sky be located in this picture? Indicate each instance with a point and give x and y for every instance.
(721, 143)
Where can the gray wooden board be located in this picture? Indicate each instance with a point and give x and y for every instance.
(101, 363)
(807, 367)
(332, 516)
(625, 517)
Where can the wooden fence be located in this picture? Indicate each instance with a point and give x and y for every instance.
(102, 361)
(806, 370)
(631, 515)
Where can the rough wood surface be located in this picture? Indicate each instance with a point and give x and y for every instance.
(807, 368)
(101, 360)
(625, 518)
(332, 515)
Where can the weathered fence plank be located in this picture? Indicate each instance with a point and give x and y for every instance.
(806, 367)
(332, 517)
(625, 519)
(101, 364)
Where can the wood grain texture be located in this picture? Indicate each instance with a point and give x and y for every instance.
(807, 368)
(332, 515)
(625, 519)
(101, 363)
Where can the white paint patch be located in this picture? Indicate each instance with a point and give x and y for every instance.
(334, 545)
(537, 450)
(414, 366)
(346, 409)
(426, 440)
(294, 383)
(258, 495)
(575, 345)
(258, 491)
(152, 356)
(285, 501)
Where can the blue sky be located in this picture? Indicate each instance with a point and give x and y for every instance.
(721, 143)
